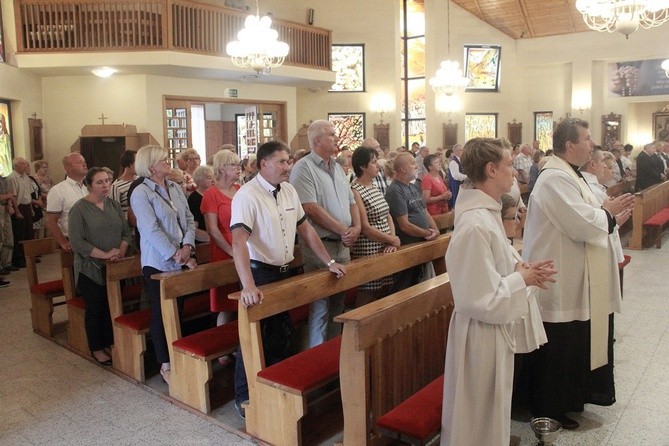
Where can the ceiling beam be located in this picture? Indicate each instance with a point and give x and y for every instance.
(526, 19)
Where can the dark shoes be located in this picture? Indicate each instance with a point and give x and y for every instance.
(567, 423)
(4, 284)
(601, 399)
(241, 408)
(10, 268)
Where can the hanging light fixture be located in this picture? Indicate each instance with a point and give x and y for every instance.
(257, 45)
(449, 79)
(624, 16)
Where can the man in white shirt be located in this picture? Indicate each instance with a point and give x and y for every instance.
(63, 196)
(266, 215)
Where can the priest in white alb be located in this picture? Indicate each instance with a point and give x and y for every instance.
(566, 223)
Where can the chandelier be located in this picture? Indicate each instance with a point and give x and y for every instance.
(257, 45)
(449, 79)
(624, 16)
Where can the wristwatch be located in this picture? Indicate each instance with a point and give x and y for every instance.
(330, 263)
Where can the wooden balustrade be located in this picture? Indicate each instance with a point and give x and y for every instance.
(46, 26)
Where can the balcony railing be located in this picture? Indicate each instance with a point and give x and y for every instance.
(152, 25)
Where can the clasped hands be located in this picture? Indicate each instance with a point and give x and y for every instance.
(537, 273)
(620, 207)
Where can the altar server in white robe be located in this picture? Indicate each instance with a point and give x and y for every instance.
(490, 290)
(566, 223)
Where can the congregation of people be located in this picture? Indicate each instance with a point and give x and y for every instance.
(537, 327)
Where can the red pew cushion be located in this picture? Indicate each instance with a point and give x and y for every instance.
(53, 287)
(77, 302)
(419, 416)
(659, 219)
(307, 369)
(137, 320)
(213, 341)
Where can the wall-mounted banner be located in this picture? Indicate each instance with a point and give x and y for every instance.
(637, 78)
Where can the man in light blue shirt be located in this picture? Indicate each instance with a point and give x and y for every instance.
(327, 200)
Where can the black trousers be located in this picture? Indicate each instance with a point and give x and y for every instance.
(23, 230)
(157, 328)
(560, 376)
(276, 331)
(97, 319)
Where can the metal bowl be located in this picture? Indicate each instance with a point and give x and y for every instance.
(546, 429)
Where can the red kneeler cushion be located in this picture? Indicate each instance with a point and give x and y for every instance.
(419, 416)
(658, 219)
(137, 320)
(208, 342)
(46, 288)
(77, 302)
(307, 369)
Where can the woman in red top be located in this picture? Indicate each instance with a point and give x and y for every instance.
(217, 209)
(217, 202)
(435, 191)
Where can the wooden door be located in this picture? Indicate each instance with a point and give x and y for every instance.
(271, 122)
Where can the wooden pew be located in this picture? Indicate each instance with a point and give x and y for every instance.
(131, 328)
(621, 188)
(191, 356)
(390, 349)
(445, 221)
(647, 203)
(276, 409)
(42, 294)
(76, 308)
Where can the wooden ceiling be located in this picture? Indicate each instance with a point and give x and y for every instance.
(528, 18)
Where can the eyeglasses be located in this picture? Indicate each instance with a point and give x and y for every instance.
(514, 218)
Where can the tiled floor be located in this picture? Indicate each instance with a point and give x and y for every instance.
(49, 395)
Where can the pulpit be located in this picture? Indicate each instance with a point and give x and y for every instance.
(102, 145)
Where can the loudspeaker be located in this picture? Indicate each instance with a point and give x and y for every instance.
(310, 16)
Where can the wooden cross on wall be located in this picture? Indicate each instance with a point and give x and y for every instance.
(102, 118)
(34, 115)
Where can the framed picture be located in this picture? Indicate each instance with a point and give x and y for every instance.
(482, 67)
(2, 39)
(480, 125)
(168, 113)
(350, 128)
(543, 129)
(6, 146)
(348, 62)
(661, 126)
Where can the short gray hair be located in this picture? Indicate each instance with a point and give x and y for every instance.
(200, 174)
(316, 129)
(147, 157)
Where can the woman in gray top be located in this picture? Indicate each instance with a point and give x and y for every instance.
(98, 232)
